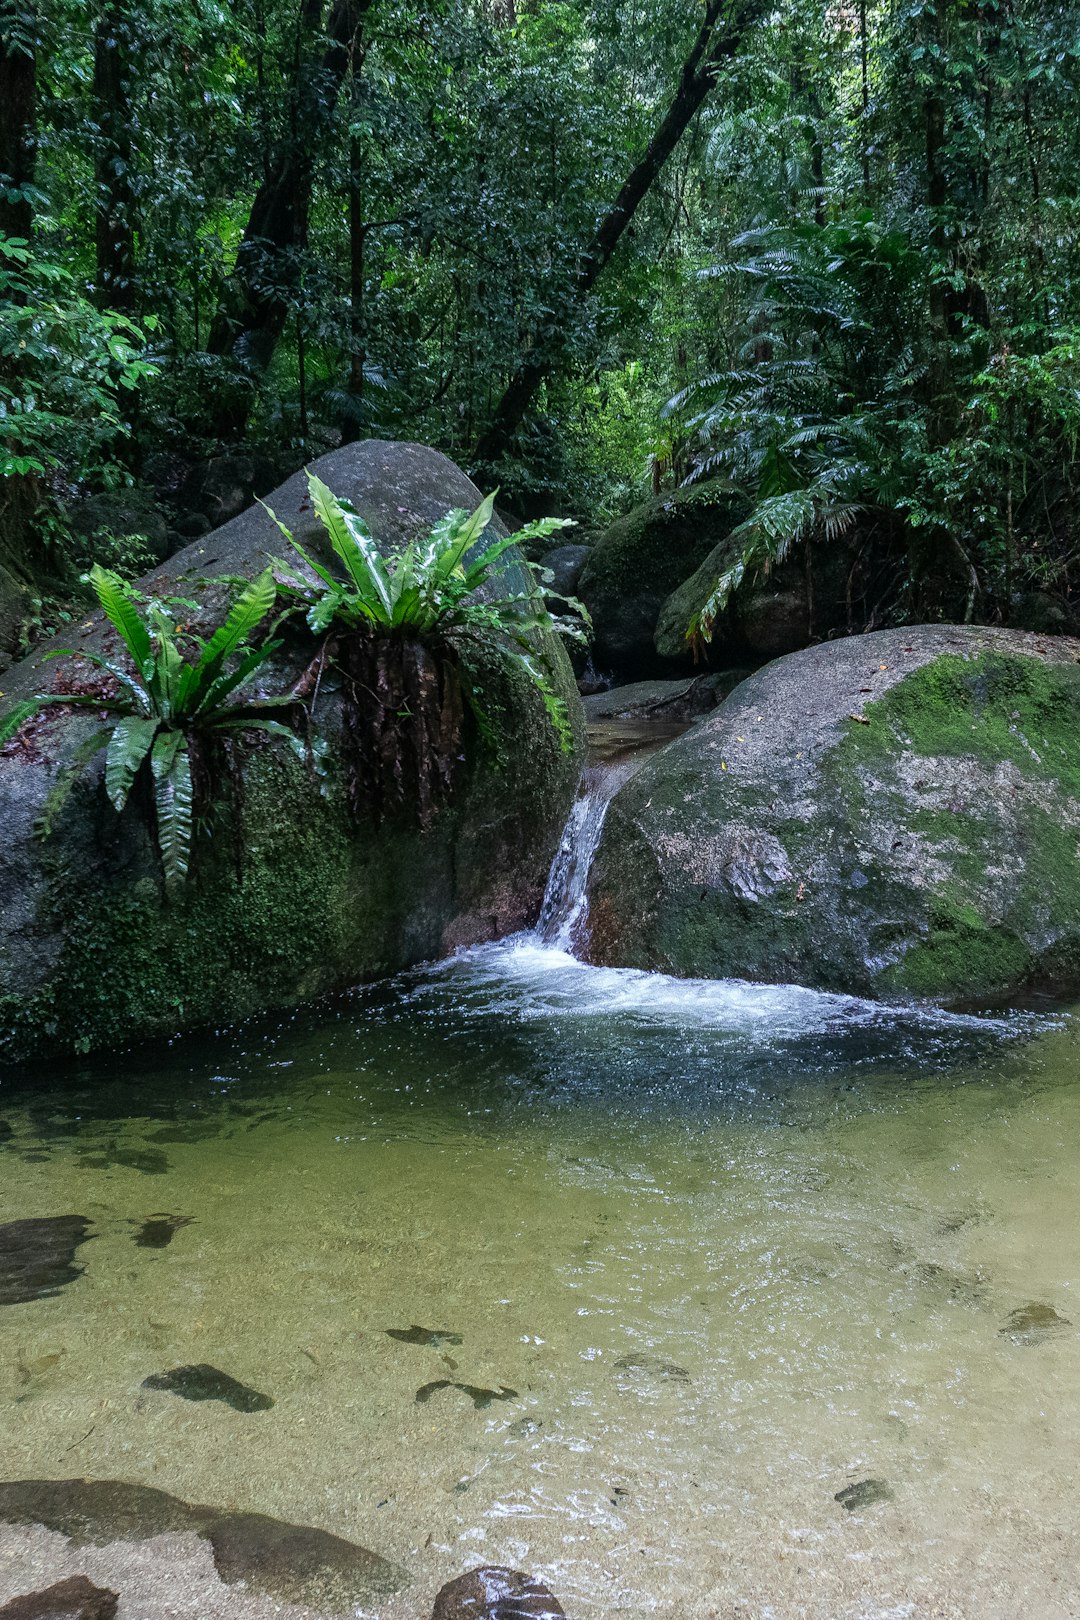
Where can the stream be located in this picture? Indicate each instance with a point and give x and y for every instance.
(693, 1299)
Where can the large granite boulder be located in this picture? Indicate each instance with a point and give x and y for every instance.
(291, 896)
(894, 814)
(637, 563)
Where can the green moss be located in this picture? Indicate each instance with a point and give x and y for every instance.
(289, 897)
(995, 707)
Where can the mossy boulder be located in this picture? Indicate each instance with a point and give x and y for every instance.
(890, 815)
(637, 563)
(290, 895)
(782, 611)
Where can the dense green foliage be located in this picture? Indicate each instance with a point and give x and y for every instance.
(437, 588)
(853, 270)
(175, 698)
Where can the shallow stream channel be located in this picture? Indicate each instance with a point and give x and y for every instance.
(692, 1299)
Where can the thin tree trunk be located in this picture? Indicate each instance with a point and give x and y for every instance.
(18, 115)
(719, 37)
(115, 225)
(256, 303)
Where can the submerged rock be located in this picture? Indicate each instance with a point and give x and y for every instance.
(147, 1161)
(494, 1593)
(888, 815)
(293, 895)
(77, 1598)
(37, 1256)
(201, 1382)
(480, 1397)
(434, 1338)
(158, 1231)
(292, 1562)
(652, 1368)
(1034, 1323)
(866, 1493)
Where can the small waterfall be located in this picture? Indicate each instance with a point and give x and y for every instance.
(564, 914)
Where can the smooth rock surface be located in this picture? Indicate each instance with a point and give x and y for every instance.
(295, 1562)
(886, 815)
(292, 896)
(37, 1256)
(495, 1593)
(75, 1598)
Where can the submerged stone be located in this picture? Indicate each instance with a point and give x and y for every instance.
(77, 1598)
(201, 1382)
(37, 1256)
(435, 1338)
(495, 1593)
(297, 1562)
(294, 1563)
(653, 1367)
(158, 1231)
(866, 1493)
(480, 1397)
(148, 1161)
(1033, 1323)
(6, 1131)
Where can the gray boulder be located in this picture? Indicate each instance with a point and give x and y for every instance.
(565, 565)
(687, 699)
(889, 815)
(637, 563)
(291, 896)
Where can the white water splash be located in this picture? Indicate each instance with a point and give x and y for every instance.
(564, 914)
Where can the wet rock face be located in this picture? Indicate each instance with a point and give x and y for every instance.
(294, 895)
(494, 1593)
(295, 1563)
(888, 815)
(74, 1599)
(201, 1382)
(37, 1256)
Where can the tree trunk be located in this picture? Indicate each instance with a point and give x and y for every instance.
(718, 38)
(257, 300)
(18, 115)
(115, 226)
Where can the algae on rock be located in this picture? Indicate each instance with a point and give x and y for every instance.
(887, 815)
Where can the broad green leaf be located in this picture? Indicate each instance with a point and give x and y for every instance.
(171, 764)
(131, 741)
(115, 598)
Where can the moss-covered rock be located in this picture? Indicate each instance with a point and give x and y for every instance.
(638, 562)
(289, 895)
(894, 814)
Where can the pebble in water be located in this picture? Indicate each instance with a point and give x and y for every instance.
(37, 1256)
(1033, 1324)
(201, 1382)
(494, 1593)
(434, 1338)
(866, 1493)
(158, 1231)
(295, 1563)
(481, 1398)
(77, 1598)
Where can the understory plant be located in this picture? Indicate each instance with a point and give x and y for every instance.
(164, 712)
(396, 625)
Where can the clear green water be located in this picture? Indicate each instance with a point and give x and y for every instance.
(801, 1224)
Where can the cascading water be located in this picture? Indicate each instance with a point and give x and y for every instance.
(564, 914)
